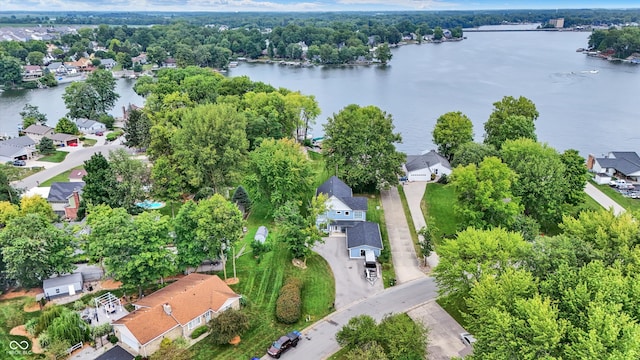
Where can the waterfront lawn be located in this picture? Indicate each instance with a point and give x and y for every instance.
(56, 157)
(437, 207)
(375, 213)
(628, 203)
(260, 283)
(412, 228)
(62, 177)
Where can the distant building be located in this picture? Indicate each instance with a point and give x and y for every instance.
(557, 23)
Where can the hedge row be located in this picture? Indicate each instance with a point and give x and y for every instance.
(289, 303)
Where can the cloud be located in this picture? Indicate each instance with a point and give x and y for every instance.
(405, 4)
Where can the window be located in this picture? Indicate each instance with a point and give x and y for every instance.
(207, 316)
(338, 212)
(436, 171)
(358, 214)
(57, 291)
(346, 213)
(194, 323)
(361, 252)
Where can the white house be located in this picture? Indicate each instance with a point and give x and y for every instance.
(420, 167)
(621, 164)
(90, 126)
(343, 209)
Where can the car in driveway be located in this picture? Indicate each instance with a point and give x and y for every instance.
(284, 343)
(19, 163)
(99, 133)
(467, 338)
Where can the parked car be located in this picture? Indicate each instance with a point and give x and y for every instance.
(99, 133)
(19, 163)
(284, 343)
(467, 338)
(617, 183)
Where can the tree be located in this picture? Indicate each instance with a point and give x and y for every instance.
(359, 148)
(8, 211)
(7, 192)
(227, 325)
(383, 53)
(371, 350)
(394, 337)
(137, 130)
(438, 33)
(211, 146)
(100, 182)
(108, 225)
(36, 204)
(166, 181)
(427, 242)
(472, 153)
(280, 172)
(31, 115)
(33, 250)
(134, 177)
(66, 126)
(484, 193)
(541, 183)
(360, 330)
(46, 146)
(93, 97)
(177, 349)
(506, 123)
(241, 198)
(576, 175)
(10, 71)
(299, 231)
(473, 255)
(35, 58)
(452, 130)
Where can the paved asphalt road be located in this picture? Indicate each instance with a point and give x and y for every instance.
(319, 340)
(74, 159)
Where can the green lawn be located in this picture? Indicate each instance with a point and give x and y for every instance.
(260, 283)
(15, 173)
(628, 203)
(62, 177)
(375, 213)
(437, 207)
(12, 314)
(89, 142)
(412, 228)
(56, 157)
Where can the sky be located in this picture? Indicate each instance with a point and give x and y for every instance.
(305, 5)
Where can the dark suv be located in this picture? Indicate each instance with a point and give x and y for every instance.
(284, 343)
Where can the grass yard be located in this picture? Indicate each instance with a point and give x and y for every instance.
(260, 284)
(89, 142)
(628, 203)
(62, 177)
(11, 315)
(15, 173)
(412, 229)
(56, 157)
(376, 214)
(437, 207)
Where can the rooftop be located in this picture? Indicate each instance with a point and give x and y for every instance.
(365, 233)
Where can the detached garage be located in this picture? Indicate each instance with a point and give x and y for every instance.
(362, 238)
(421, 167)
(63, 285)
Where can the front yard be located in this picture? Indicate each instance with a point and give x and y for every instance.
(56, 157)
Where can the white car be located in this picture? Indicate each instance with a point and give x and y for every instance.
(467, 338)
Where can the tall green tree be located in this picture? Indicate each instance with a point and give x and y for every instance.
(541, 184)
(299, 230)
(31, 115)
(8, 192)
(211, 145)
(360, 148)
(383, 53)
(137, 130)
(33, 250)
(166, 181)
(360, 330)
(100, 183)
(472, 153)
(452, 130)
(485, 197)
(133, 176)
(107, 225)
(576, 175)
(10, 71)
(506, 123)
(93, 97)
(46, 146)
(35, 58)
(279, 172)
(66, 126)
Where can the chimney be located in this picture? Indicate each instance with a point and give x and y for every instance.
(167, 308)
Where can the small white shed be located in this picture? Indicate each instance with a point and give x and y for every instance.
(261, 234)
(602, 178)
(63, 285)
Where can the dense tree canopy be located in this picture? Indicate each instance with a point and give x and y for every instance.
(360, 148)
(452, 130)
(91, 98)
(511, 119)
(472, 153)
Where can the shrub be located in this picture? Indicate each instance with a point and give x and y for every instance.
(14, 317)
(228, 325)
(101, 330)
(47, 318)
(433, 176)
(79, 305)
(199, 331)
(113, 339)
(444, 179)
(289, 303)
(259, 248)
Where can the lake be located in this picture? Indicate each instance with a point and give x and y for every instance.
(580, 108)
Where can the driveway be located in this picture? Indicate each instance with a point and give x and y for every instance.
(414, 192)
(603, 199)
(403, 253)
(348, 273)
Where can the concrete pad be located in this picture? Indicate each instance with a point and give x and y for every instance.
(444, 332)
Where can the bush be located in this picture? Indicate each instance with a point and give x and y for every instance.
(228, 325)
(14, 317)
(47, 318)
(101, 330)
(199, 331)
(444, 179)
(30, 326)
(259, 248)
(384, 257)
(289, 303)
(113, 339)
(79, 305)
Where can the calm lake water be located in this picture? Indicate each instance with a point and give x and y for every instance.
(593, 112)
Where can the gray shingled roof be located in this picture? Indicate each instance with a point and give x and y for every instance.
(62, 280)
(625, 162)
(60, 191)
(62, 137)
(38, 129)
(10, 151)
(116, 353)
(417, 162)
(365, 233)
(356, 202)
(86, 123)
(335, 187)
(20, 141)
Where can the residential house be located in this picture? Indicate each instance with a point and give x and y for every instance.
(31, 72)
(621, 164)
(19, 148)
(77, 175)
(344, 209)
(422, 167)
(174, 311)
(60, 69)
(64, 139)
(37, 132)
(169, 63)
(362, 237)
(64, 198)
(140, 59)
(83, 64)
(108, 63)
(90, 126)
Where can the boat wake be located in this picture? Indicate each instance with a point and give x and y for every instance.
(590, 71)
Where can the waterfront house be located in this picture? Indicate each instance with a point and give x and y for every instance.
(60, 69)
(83, 64)
(108, 63)
(174, 311)
(343, 209)
(421, 167)
(362, 237)
(19, 148)
(31, 72)
(621, 164)
(169, 63)
(90, 126)
(64, 198)
(140, 59)
(37, 132)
